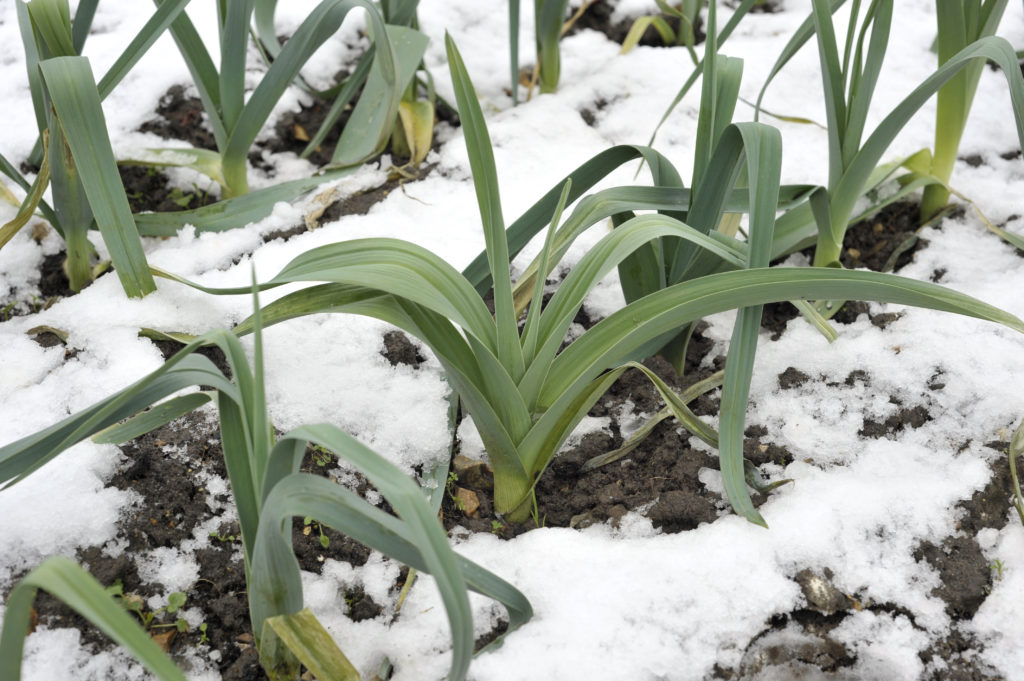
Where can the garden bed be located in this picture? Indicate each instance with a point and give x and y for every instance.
(893, 553)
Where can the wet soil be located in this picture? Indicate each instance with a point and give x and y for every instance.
(181, 116)
(167, 516)
(885, 242)
(598, 17)
(150, 190)
(761, 6)
(661, 479)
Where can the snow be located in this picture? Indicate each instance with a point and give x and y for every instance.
(611, 604)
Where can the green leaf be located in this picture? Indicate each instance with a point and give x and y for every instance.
(548, 18)
(69, 583)
(234, 212)
(374, 115)
(77, 103)
(150, 420)
(51, 19)
(485, 181)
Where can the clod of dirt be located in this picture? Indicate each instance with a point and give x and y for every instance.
(361, 607)
(857, 376)
(775, 317)
(181, 117)
(398, 349)
(974, 160)
(792, 378)
(914, 417)
(679, 510)
(47, 339)
(964, 573)
(473, 474)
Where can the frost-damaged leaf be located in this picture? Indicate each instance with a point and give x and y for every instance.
(305, 638)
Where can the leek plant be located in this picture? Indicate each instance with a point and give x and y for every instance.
(549, 18)
(74, 154)
(959, 24)
(412, 131)
(549, 15)
(236, 121)
(524, 395)
(686, 14)
(848, 85)
(269, 491)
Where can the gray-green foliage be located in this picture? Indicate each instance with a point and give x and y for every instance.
(74, 154)
(524, 394)
(269, 491)
(848, 81)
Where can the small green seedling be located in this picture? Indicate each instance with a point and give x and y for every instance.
(453, 481)
(321, 457)
(325, 541)
(134, 603)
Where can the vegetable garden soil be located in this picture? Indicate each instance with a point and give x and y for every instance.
(661, 479)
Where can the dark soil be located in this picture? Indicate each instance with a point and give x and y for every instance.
(53, 281)
(148, 190)
(295, 129)
(181, 117)
(398, 349)
(188, 452)
(885, 242)
(761, 7)
(598, 17)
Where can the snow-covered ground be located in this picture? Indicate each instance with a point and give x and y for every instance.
(611, 603)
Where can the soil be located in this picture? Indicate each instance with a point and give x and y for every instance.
(885, 242)
(660, 479)
(181, 117)
(598, 17)
(761, 7)
(150, 190)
